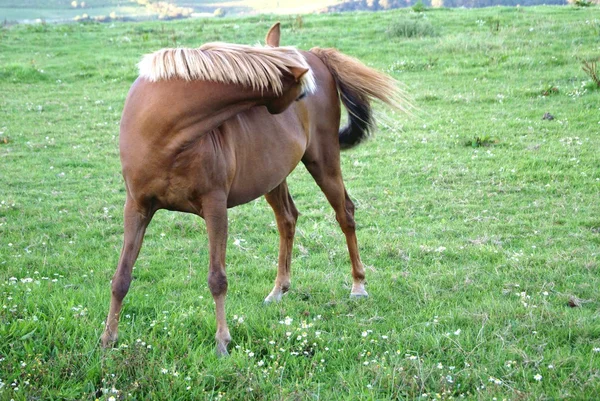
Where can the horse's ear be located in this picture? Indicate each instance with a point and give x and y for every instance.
(298, 72)
(272, 38)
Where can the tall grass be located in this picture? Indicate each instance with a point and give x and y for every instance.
(410, 27)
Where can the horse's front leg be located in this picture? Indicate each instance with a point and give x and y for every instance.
(215, 214)
(286, 215)
(135, 222)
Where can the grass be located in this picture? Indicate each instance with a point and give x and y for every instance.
(474, 253)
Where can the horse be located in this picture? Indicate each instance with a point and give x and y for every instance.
(210, 128)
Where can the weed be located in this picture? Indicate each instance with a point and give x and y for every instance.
(38, 28)
(419, 7)
(481, 141)
(168, 36)
(550, 90)
(584, 3)
(6, 23)
(494, 24)
(591, 69)
(411, 27)
(296, 22)
(594, 25)
(411, 65)
(299, 22)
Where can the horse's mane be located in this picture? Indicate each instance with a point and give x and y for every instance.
(260, 68)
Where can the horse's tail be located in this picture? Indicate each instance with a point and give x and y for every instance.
(358, 86)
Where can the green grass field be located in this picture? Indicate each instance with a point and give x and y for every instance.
(473, 253)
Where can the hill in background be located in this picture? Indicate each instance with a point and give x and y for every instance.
(378, 5)
(106, 10)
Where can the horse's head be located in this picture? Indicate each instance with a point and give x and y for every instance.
(296, 84)
(296, 80)
(295, 87)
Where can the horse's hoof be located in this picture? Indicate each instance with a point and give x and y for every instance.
(108, 341)
(222, 351)
(270, 300)
(274, 296)
(358, 291)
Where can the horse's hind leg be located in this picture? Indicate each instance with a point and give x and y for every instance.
(286, 215)
(135, 223)
(326, 171)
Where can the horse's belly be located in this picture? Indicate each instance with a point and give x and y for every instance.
(264, 156)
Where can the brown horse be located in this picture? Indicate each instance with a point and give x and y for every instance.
(196, 138)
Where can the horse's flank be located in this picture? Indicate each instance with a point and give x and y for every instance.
(260, 68)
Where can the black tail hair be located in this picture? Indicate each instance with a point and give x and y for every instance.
(358, 85)
(360, 119)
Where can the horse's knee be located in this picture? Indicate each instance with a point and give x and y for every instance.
(348, 224)
(289, 225)
(120, 285)
(291, 214)
(346, 220)
(217, 282)
(346, 216)
(348, 204)
(295, 213)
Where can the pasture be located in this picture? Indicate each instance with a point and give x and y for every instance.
(478, 222)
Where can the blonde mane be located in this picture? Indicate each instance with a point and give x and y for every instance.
(260, 68)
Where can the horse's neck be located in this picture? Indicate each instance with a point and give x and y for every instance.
(169, 114)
